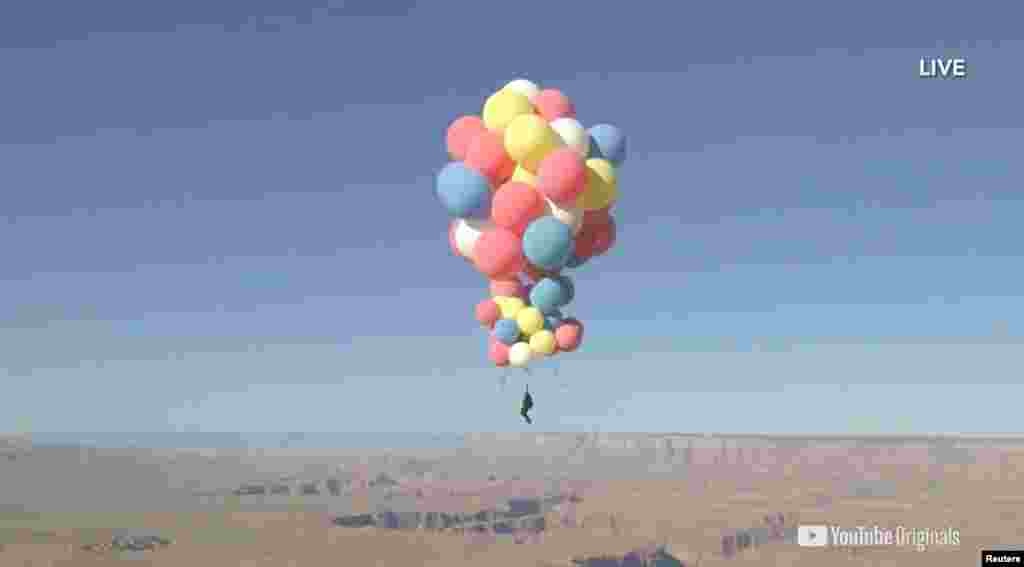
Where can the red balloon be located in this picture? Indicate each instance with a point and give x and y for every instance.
(604, 237)
(515, 205)
(585, 241)
(498, 253)
(599, 216)
(597, 234)
(486, 155)
(569, 335)
(551, 104)
(497, 352)
(487, 313)
(562, 176)
(510, 287)
(460, 133)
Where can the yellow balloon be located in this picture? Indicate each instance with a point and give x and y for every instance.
(509, 306)
(502, 107)
(602, 186)
(525, 87)
(528, 139)
(543, 342)
(519, 354)
(523, 176)
(530, 320)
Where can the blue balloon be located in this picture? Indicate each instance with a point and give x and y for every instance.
(553, 320)
(607, 142)
(569, 289)
(506, 331)
(575, 261)
(549, 294)
(547, 243)
(464, 192)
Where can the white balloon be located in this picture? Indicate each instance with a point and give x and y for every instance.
(519, 354)
(467, 232)
(525, 87)
(573, 134)
(571, 216)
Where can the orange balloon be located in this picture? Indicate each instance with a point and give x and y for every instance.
(569, 335)
(460, 133)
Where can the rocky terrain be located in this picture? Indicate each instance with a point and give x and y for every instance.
(581, 499)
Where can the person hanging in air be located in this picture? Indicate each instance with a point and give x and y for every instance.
(527, 405)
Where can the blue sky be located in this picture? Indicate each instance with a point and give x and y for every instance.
(223, 218)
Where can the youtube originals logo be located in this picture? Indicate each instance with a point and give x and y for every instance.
(812, 536)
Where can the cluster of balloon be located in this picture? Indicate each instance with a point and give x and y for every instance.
(530, 191)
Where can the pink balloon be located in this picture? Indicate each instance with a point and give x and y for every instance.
(569, 335)
(460, 133)
(562, 176)
(498, 253)
(551, 104)
(497, 352)
(511, 287)
(487, 312)
(515, 205)
(486, 155)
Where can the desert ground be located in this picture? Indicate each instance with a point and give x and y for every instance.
(701, 499)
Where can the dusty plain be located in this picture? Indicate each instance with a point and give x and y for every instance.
(687, 493)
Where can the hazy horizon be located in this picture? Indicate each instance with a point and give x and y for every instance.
(158, 440)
